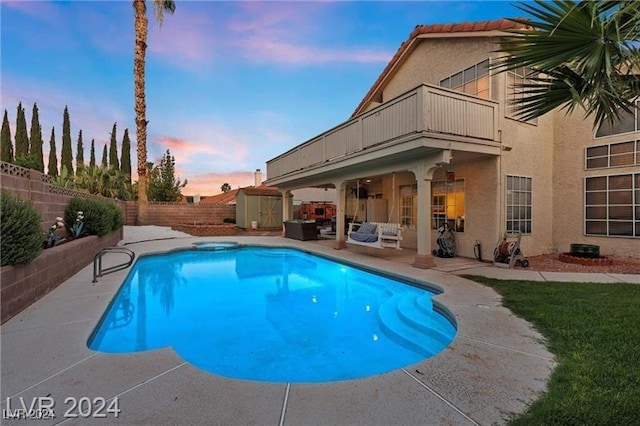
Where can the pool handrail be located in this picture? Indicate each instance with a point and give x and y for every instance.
(97, 262)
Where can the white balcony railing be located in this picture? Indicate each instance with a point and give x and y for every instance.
(424, 109)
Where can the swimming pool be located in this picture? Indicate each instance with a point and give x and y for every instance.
(272, 314)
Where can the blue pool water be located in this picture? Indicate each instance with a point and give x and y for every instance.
(271, 314)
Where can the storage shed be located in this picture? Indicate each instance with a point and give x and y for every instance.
(259, 207)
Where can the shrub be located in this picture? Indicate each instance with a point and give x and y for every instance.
(27, 161)
(117, 217)
(229, 220)
(97, 219)
(100, 216)
(21, 234)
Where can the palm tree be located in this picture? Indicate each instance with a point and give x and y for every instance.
(141, 30)
(225, 187)
(105, 181)
(582, 53)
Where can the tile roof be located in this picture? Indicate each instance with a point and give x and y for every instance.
(228, 197)
(441, 30)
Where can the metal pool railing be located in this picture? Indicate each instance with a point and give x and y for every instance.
(97, 262)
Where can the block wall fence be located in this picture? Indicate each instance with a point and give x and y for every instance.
(51, 201)
(171, 214)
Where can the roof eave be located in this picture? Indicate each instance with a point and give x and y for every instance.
(403, 52)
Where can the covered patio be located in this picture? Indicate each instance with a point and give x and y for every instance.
(411, 137)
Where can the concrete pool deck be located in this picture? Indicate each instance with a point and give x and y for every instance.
(495, 367)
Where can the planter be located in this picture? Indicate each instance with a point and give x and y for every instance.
(599, 261)
(207, 230)
(21, 285)
(301, 230)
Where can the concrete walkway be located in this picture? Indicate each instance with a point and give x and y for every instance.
(494, 368)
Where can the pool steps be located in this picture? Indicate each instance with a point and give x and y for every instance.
(409, 320)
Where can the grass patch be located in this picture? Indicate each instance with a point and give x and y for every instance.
(594, 331)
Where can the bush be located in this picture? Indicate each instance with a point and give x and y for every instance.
(27, 161)
(100, 216)
(229, 220)
(21, 234)
(117, 217)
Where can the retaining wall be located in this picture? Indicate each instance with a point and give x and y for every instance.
(207, 230)
(21, 285)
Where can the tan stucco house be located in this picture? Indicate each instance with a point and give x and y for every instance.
(436, 140)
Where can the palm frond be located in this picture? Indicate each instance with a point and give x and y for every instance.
(587, 52)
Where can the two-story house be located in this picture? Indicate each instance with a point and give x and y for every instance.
(436, 138)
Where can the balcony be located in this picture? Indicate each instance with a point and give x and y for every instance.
(425, 119)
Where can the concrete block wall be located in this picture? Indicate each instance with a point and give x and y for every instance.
(21, 285)
(207, 230)
(50, 200)
(130, 212)
(169, 214)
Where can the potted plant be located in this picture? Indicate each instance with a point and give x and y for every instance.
(301, 229)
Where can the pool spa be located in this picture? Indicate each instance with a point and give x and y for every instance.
(272, 314)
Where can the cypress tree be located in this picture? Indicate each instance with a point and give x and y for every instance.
(66, 157)
(6, 146)
(79, 154)
(125, 162)
(92, 158)
(22, 139)
(105, 164)
(35, 150)
(113, 150)
(53, 158)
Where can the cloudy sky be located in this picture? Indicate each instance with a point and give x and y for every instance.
(230, 84)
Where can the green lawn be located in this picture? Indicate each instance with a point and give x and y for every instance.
(594, 331)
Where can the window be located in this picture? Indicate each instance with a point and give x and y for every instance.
(613, 155)
(473, 80)
(408, 205)
(612, 205)
(519, 202)
(447, 204)
(628, 122)
(515, 93)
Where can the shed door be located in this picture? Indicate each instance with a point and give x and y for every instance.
(270, 212)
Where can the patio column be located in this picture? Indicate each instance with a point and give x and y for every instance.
(286, 211)
(424, 258)
(341, 188)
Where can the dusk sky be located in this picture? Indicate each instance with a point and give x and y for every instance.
(230, 85)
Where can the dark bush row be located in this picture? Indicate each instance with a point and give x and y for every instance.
(20, 231)
(100, 216)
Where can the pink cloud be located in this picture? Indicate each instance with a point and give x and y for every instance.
(217, 146)
(177, 143)
(273, 32)
(210, 183)
(185, 38)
